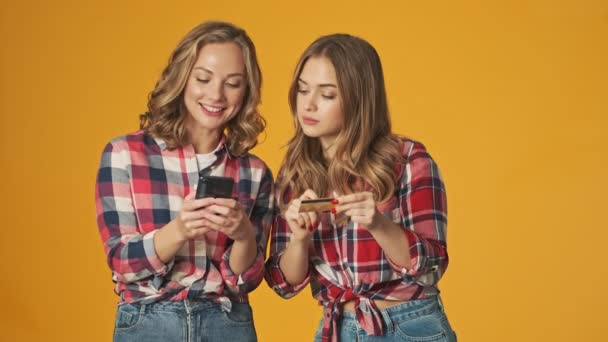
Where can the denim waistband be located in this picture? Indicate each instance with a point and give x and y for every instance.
(187, 306)
(408, 310)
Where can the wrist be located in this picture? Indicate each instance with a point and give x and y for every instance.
(379, 224)
(176, 231)
(299, 242)
(248, 234)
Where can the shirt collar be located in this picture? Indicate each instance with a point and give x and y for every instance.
(220, 150)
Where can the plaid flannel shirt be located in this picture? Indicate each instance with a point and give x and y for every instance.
(346, 263)
(140, 188)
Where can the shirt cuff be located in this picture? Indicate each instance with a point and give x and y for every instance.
(279, 281)
(157, 266)
(417, 257)
(246, 281)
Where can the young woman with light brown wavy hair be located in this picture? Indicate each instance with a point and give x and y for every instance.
(183, 267)
(374, 260)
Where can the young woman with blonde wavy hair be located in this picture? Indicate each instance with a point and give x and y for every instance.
(374, 260)
(183, 267)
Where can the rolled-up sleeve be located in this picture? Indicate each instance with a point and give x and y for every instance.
(261, 219)
(423, 209)
(279, 240)
(130, 255)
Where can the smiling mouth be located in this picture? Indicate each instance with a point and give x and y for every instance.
(212, 110)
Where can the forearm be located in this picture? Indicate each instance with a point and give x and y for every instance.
(168, 241)
(294, 261)
(243, 254)
(393, 242)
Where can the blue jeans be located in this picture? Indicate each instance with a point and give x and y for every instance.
(200, 320)
(413, 321)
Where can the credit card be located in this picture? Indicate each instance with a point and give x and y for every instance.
(320, 204)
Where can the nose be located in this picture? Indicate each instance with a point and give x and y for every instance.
(310, 104)
(215, 92)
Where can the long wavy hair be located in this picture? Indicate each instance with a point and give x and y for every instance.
(167, 113)
(367, 154)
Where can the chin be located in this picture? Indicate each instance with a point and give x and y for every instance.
(310, 134)
(209, 123)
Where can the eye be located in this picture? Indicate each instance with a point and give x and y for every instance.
(202, 80)
(328, 97)
(233, 85)
(303, 91)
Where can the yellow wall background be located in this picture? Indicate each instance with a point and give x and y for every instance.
(510, 97)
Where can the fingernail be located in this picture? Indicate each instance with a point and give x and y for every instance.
(335, 201)
(333, 210)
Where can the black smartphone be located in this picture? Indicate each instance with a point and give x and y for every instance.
(214, 186)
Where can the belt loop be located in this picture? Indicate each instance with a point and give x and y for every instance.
(440, 303)
(386, 317)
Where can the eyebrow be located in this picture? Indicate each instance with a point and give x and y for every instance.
(211, 72)
(323, 85)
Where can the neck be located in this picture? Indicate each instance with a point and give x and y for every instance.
(329, 147)
(204, 140)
